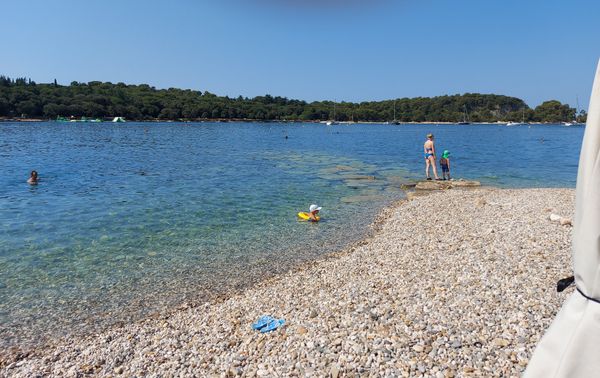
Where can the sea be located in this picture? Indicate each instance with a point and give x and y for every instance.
(131, 220)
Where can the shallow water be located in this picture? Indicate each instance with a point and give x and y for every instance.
(132, 219)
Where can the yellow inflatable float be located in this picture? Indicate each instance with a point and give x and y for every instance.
(306, 216)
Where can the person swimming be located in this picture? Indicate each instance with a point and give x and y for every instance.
(33, 178)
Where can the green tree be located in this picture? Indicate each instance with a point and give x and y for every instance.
(104, 99)
(553, 111)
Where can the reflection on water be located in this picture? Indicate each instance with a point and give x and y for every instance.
(131, 219)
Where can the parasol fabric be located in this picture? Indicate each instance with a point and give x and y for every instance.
(571, 346)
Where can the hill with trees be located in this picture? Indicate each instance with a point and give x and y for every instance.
(23, 97)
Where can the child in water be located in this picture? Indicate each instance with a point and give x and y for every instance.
(445, 164)
(313, 212)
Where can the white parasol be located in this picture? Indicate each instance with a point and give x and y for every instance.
(571, 346)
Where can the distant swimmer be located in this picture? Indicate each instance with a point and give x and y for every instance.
(312, 215)
(33, 178)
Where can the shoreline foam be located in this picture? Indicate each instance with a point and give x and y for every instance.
(409, 299)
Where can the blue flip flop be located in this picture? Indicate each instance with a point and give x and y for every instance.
(262, 322)
(272, 326)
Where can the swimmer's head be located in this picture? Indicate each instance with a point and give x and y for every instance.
(430, 136)
(34, 174)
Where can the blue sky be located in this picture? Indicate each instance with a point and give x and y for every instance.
(312, 50)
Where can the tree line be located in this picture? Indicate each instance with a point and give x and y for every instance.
(22, 97)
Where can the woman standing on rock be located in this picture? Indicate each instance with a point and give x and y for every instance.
(429, 150)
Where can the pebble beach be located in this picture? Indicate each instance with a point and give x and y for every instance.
(454, 283)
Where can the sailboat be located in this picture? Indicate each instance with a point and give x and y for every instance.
(333, 121)
(394, 121)
(465, 120)
(574, 122)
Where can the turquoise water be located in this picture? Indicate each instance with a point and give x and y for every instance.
(133, 219)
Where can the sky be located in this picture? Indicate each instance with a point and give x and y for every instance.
(342, 50)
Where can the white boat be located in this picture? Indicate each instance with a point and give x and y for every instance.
(518, 123)
(574, 121)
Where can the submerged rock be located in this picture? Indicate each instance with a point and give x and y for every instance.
(362, 198)
(358, 177)
(408, 185)
(363, 183)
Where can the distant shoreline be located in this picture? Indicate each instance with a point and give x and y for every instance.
(247, 120)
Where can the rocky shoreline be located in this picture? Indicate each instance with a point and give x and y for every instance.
(456, 283)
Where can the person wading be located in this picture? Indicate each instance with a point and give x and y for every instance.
(33, 178)
(429, 151)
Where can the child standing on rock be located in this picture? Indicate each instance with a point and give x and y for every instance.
(445, 164)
